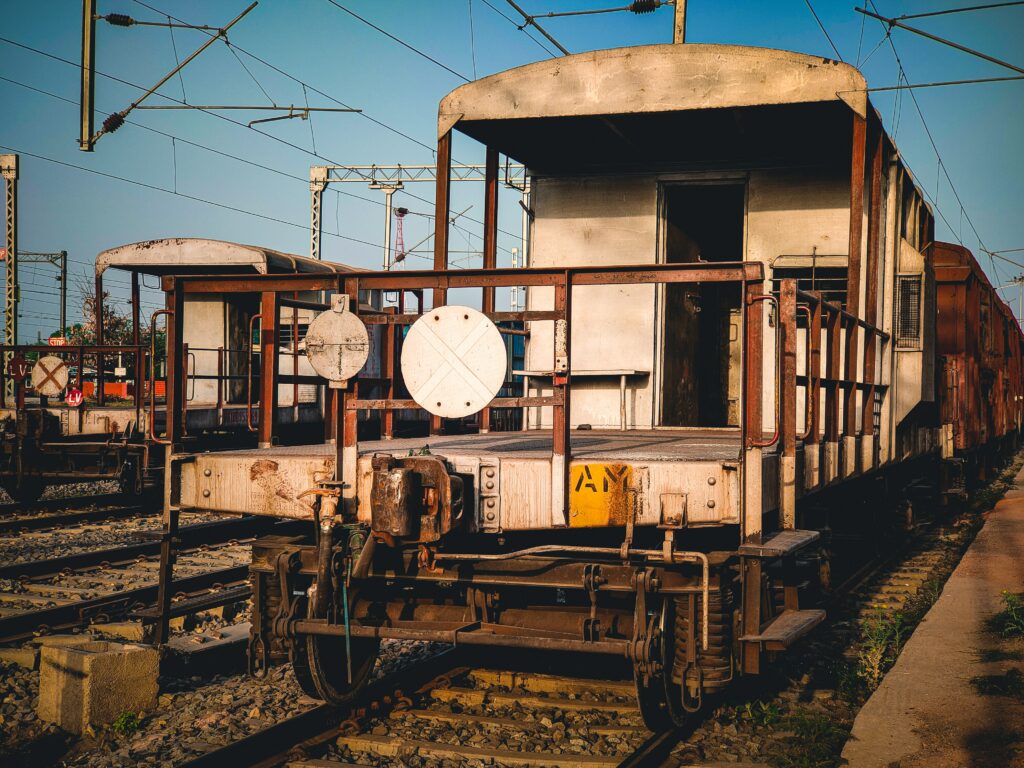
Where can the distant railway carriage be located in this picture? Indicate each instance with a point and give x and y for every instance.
(742, 348)
(117, 431)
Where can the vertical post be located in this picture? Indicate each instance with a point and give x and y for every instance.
(63, 255)
(490, 246)
(295, 362)
(88, 73)
(561, 414)
(101, 396)
(389, 191)
(753, 502)
(270, 306)
(347, 445)
(871, 292)
(174, 394)
(9, 170)
(317, 185)
(136, 337)
(387, 425)
(832, 394)
(787, 406)
(853, 285)
(812, 429)
(442, 203)
(679, 25)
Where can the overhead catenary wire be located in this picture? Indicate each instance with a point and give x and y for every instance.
(946, 11)
(824, 31)
(230, 120)
(935, 149)
(185, 195)
(398, 40)
(971, 51)
(522, 29)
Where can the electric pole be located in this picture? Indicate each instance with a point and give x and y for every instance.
(9, 171)
(59, 259)
(679, 27)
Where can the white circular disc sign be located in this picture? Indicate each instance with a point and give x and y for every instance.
(453, 361)
(337, 345)
(49, 376)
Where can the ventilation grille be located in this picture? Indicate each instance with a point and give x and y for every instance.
(908, 311)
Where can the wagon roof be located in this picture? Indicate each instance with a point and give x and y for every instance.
(194, 255)
(643, 83)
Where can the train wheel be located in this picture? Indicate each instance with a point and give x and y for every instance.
(27, 493)
(321, 665)
(129, 480)
(659, 698)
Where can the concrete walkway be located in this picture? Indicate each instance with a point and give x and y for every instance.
(927, 712)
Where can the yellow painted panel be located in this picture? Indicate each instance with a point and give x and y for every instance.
(600, 494)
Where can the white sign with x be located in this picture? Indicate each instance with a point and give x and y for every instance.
(453, 361)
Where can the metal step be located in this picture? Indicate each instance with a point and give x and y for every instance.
(779, 544)
(786, 628)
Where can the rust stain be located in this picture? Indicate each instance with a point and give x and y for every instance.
(262, 467)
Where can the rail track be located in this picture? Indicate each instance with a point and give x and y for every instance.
(60, 513)
(458, 708)
(62, 593)
(453, 709)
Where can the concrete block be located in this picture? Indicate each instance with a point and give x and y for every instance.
(94, 682)
(126, 630)
(56, 641)
(23, 657)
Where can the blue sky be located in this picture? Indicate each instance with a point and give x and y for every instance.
(977, 129)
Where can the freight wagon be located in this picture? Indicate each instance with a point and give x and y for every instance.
(736, 359)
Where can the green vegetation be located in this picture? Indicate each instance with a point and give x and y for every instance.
(126, 724)
(1009, 622)
(762, 713)
(816, 742)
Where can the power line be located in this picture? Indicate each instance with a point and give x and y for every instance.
(529, 21)
(293, 78)
(522, 29)
(181, 194)
(959, 10)
(399, 40)
(937, 39)
(824, 31)
(935, 148)
(228, 119)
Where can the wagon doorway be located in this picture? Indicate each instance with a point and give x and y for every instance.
(701, 331)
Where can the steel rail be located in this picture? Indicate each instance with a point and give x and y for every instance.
(99, 498)
(271, 746)
(60, 519)
(115, 604)
(214, 532)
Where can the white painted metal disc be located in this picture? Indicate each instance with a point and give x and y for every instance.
(337, 345)
(49, 376)
(453, 361)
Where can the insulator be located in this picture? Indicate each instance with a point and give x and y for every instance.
(113, 122)
(119, 19)
(644, 6)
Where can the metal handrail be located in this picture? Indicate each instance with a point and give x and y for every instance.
(152, 375)
(778, 373)
(248, 368)
(811, 379)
